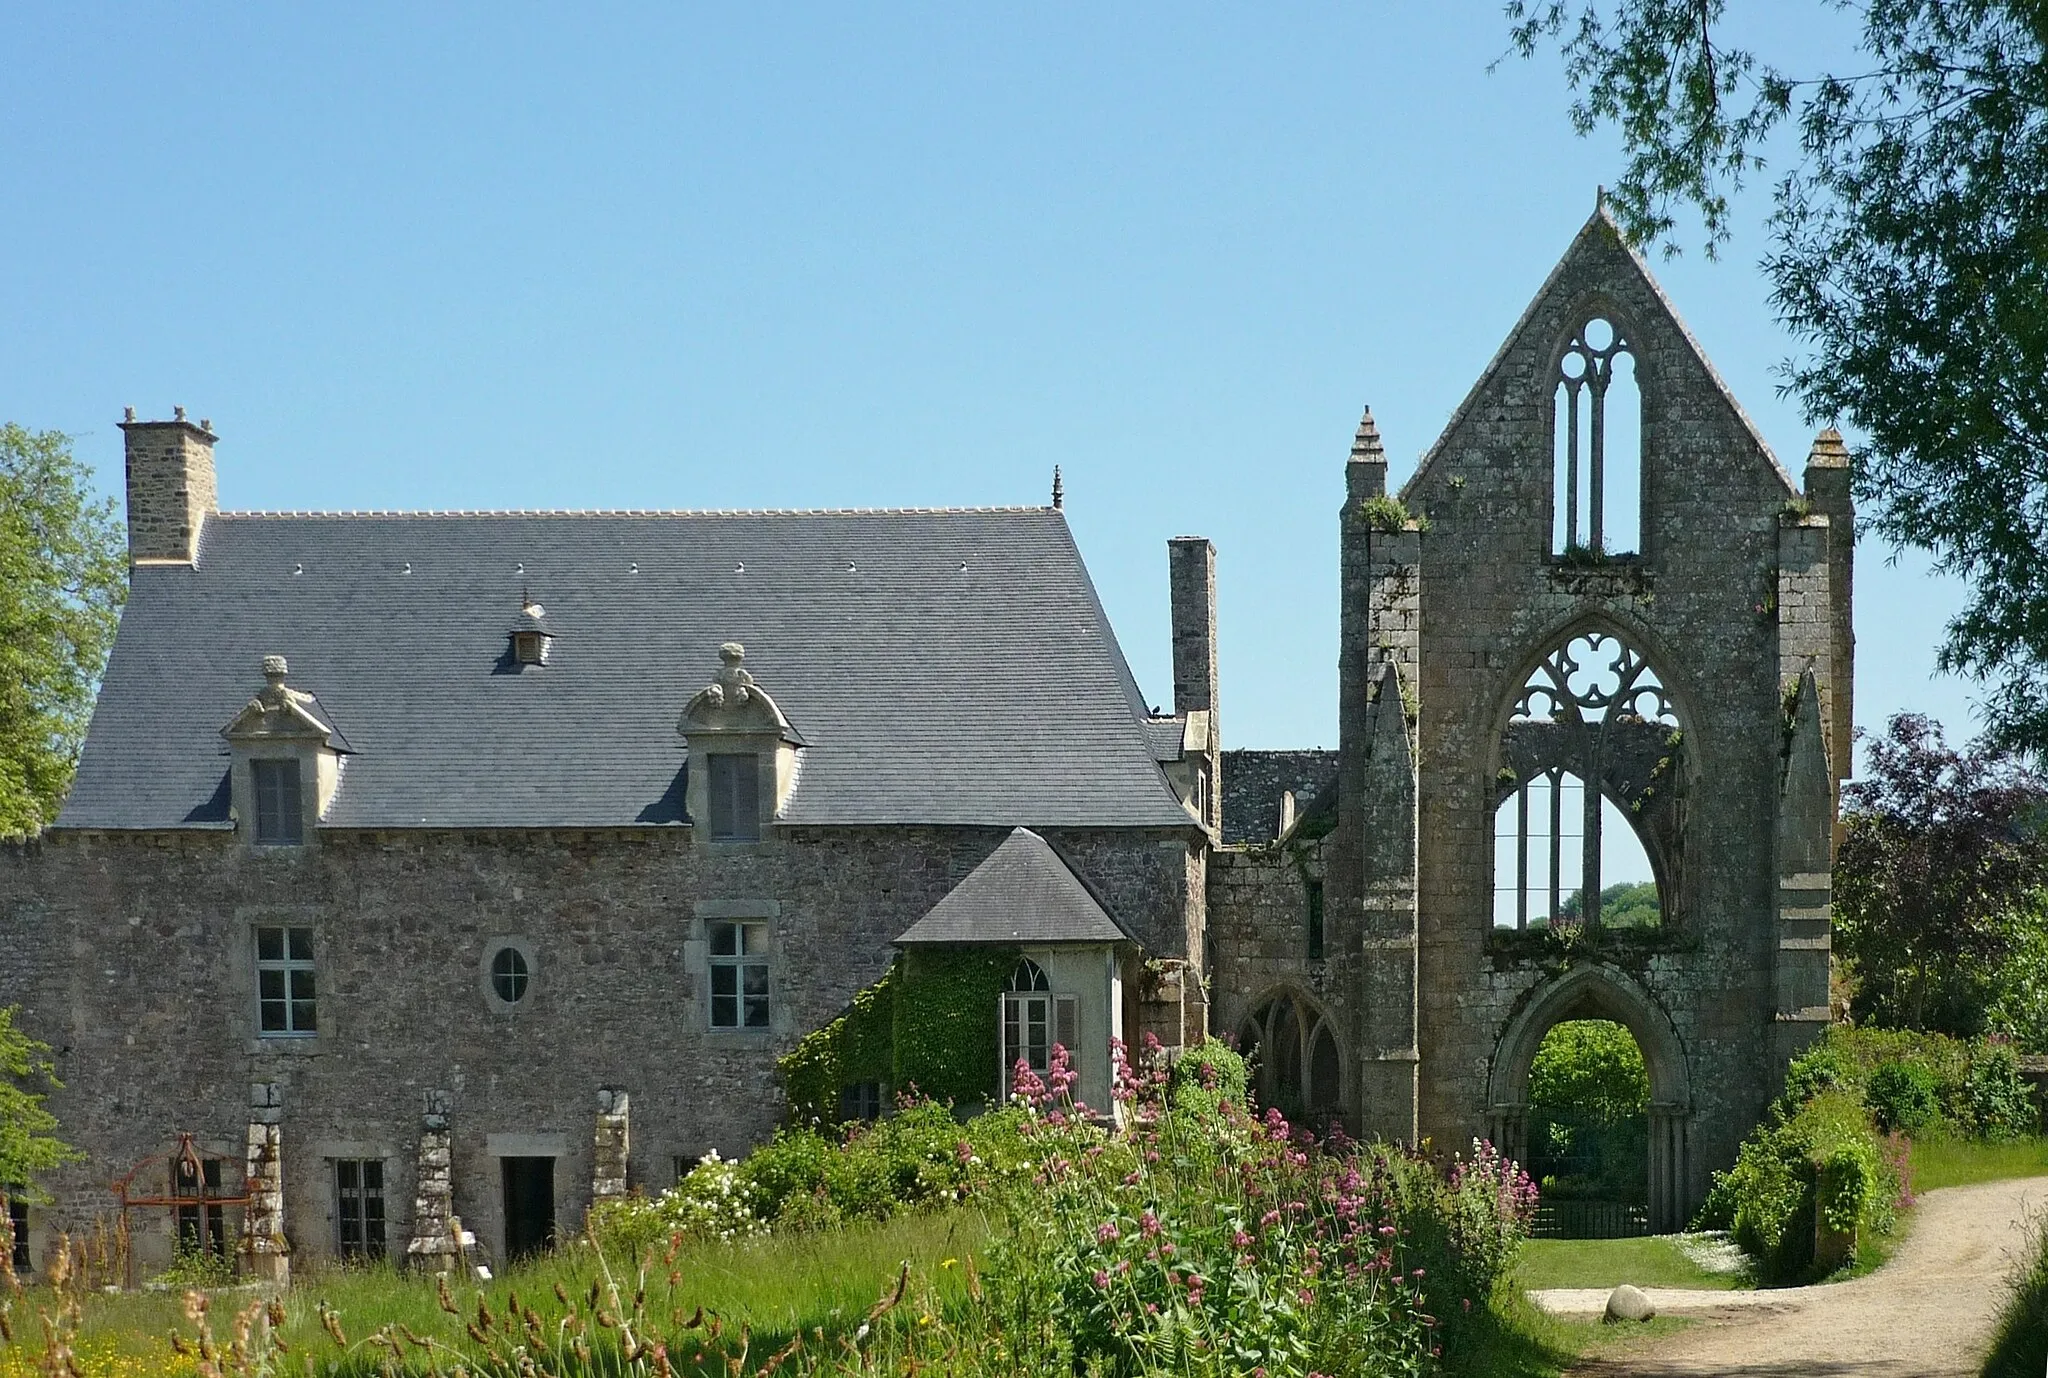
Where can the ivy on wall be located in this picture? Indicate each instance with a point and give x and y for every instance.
(854, 1047)
(929, 1023)
(946, 1021)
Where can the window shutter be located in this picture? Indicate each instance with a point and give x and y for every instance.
(1066, 1024)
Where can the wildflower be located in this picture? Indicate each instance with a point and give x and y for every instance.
(1101, 1278)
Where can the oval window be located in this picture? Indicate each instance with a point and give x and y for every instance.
(509, 975)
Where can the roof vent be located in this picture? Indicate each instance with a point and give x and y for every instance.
(530, 634)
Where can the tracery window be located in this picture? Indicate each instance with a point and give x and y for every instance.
(1292, 1049)
(1588, 802)
(1598, 482)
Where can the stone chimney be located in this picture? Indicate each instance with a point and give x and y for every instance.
(1191, 583)
(170, 487)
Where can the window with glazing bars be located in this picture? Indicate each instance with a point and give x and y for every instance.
(279, 821)
(739, 975)
(284, 981)
(359, 1208)
(735, 797)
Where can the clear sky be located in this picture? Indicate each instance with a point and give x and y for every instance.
(509, 255)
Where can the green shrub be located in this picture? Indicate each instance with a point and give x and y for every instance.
(1903, 1096)
(1770, 1197)
(2001, 1104)
(1207, 1077)
(194, 1267)
(711, 1202)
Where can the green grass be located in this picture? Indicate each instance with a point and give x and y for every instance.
(1515, 1340)
(1938, 1161)
(1655, 1261)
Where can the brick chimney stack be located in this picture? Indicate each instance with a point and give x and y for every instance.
(170, 487)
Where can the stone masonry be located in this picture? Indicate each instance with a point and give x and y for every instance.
(1737, 599)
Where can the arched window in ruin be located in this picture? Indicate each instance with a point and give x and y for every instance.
(1588, 801)
(1292, 1049)
(1599, 418)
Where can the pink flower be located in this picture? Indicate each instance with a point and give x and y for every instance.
(1101, 1279)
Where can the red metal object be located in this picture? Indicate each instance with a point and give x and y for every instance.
(189, 1188)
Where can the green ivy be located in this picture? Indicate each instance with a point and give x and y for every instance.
(855, 1047)
(944, 1024)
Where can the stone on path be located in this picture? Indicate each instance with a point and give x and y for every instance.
(1626, 1303)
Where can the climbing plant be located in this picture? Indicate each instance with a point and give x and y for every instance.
(945, 1021)
(929, 1023)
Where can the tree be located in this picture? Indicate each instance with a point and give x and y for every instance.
(1910, 258)
(63, 576)
(1942, 859)
(27, 1145)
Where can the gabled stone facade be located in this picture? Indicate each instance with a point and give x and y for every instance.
(1735, 606)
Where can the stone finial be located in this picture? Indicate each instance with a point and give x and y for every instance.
(1366, 475)
(1829, 451)
(177, 413)
(1059, 491)
(274, 669)
(1365, 446)
(128, 414)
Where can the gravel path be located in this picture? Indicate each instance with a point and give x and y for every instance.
(1926, 1314)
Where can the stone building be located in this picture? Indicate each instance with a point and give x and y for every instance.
(1553, 653)
(480, 865)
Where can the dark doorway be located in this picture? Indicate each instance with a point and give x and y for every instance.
(529, 1205)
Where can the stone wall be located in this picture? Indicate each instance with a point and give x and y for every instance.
(170, 487)
(131, 955)
(1253, 782)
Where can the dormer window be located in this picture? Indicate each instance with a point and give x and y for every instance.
(743, 754)
(280, 813)
(735, 796)
(285, 762)
(530, 635)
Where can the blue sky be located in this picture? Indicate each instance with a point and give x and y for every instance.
(505, 255)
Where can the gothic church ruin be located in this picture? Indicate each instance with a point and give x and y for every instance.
(425, 867)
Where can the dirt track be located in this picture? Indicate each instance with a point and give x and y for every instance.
(1926, 1314)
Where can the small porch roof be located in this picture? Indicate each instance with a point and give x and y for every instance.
(1023, 895)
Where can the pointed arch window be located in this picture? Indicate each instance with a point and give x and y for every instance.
(1292, 1048)
(1588, 805)
(1598, 481)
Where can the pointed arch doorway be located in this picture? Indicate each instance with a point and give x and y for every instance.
(1597, 991)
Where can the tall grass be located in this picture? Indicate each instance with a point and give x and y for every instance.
(2021, 1348)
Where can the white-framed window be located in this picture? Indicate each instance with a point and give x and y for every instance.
(735, 790)
(284, 982)
(359, 1208)
(739, 973)
(1032, 1020)
(279, 819)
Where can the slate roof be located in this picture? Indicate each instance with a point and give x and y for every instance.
(1023, 894)
(950, 666)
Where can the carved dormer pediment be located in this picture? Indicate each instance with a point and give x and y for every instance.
(281, 713)
(735, 702)
(286, 766)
